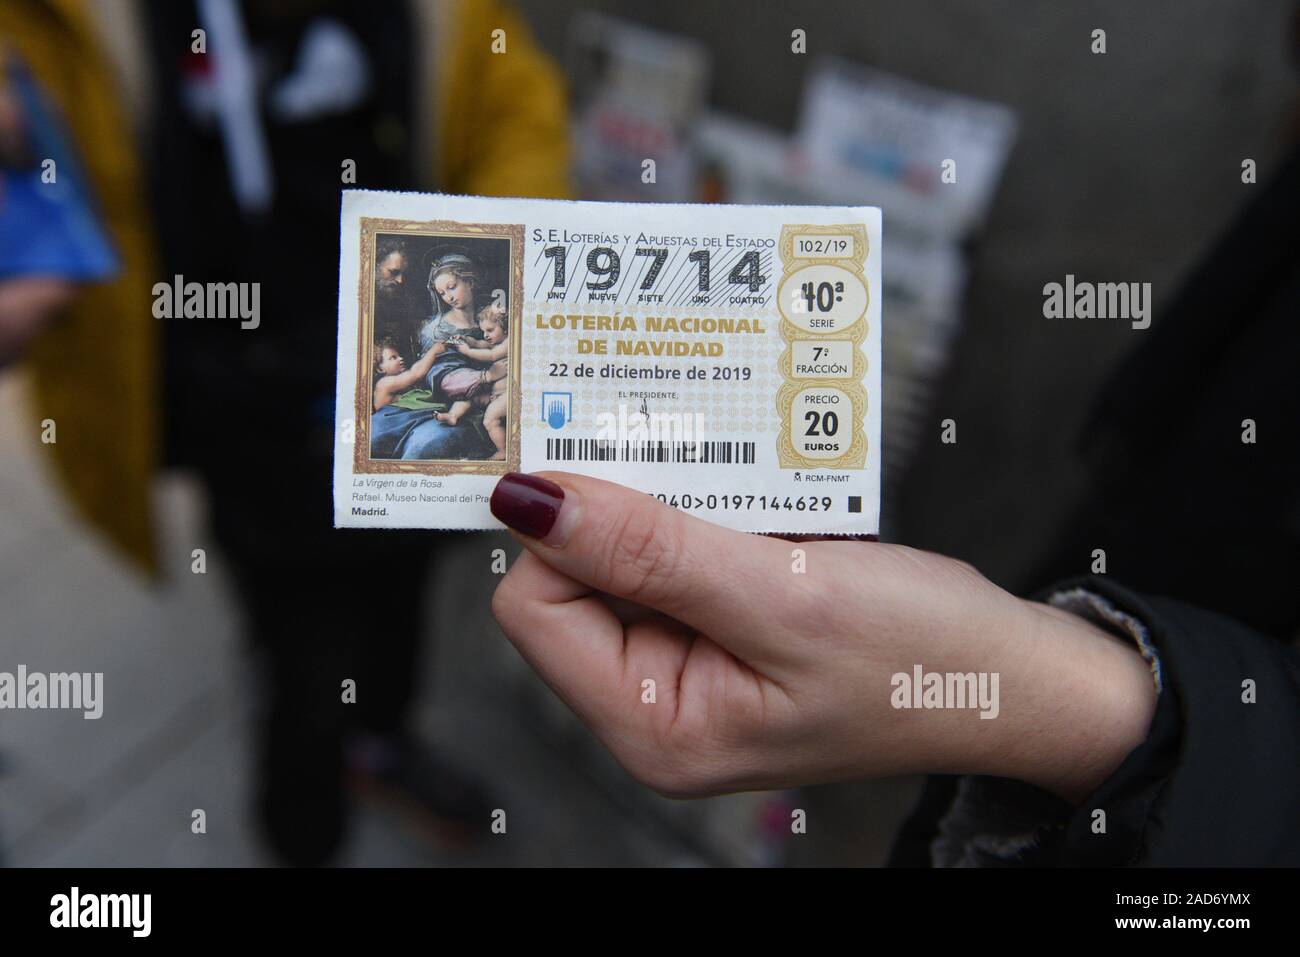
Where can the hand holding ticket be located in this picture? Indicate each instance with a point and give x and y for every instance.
(765, 678)
(723, 359)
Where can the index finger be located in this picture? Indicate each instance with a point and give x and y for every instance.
(735, 587)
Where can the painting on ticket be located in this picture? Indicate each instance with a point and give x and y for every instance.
(436, 380)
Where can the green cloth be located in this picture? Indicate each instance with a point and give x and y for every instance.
(418, 399)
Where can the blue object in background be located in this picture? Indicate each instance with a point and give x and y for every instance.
(48, 229)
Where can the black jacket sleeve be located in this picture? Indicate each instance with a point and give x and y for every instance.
(1215, 783)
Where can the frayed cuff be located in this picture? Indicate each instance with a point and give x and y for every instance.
(1100, 611)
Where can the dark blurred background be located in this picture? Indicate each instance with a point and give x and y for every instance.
(1122, 167)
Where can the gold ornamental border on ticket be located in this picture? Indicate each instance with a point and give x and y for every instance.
(827, 248)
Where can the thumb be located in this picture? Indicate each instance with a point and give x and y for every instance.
(729, 585)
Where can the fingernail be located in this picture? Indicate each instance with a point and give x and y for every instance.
(526, 503)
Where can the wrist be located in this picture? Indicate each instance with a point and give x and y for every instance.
(1081, 701)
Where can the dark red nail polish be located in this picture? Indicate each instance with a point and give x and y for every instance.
(526, 503)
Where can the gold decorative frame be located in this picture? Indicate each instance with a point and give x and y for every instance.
(856, 332)
(362, 463)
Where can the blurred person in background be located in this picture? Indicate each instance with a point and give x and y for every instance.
(30, 294)
(220, 158)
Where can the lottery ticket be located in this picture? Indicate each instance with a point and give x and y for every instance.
(723, 359)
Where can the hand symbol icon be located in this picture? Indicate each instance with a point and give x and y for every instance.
(555, 414)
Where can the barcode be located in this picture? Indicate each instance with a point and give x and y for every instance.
(606, 450)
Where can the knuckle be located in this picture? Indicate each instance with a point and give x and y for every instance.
(667, 758)
(643, 556)
(688, 762)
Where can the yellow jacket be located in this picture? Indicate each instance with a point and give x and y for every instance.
(96, 372)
